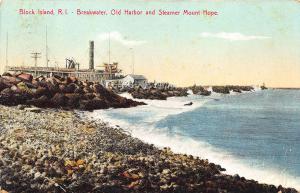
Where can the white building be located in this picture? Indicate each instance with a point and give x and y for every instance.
(114, 83)
(134, 80)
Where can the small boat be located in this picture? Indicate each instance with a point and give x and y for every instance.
(188, 104)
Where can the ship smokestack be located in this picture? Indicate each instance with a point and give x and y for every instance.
(91, 55)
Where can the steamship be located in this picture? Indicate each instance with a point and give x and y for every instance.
(72, 68)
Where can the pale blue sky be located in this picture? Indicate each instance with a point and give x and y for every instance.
(249, 42)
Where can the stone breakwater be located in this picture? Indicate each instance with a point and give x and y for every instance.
(163, 94)
(157, 94)
(200, 90)
(58, 92)
(60, 151)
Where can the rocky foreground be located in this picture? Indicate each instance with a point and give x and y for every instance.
(58, 92)
(58, 151)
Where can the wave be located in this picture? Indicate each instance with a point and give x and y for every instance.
(190, 92)
(173, 105)
(146, 130)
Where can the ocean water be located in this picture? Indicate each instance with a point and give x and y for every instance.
(253, 134)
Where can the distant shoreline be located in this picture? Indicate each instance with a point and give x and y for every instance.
(283, 88)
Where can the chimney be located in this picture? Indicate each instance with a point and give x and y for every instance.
(91, 55)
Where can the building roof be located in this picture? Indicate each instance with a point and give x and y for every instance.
(137, 77)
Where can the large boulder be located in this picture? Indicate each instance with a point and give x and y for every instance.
(42, 102)
(11, 79)
(263, 87)
(40, 91)
(205, 93)
(98, 88)
(6, 74)
(93, 104)
(4, 84)
(11, 98)
(73, 100)
(200, 90)
(87, 89)
(59, 100)
(79, 90)
(24, 88)
(53, 88)
(25, 77)
(88, 96)
(221, 89)
(70, 88)
(236, 90)
(246, 88)
(7, 92)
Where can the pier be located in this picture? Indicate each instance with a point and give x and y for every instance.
(86, 74)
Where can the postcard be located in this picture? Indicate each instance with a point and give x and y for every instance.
(150, 96)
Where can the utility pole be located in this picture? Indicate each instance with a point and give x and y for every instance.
(109, 65)
(132, 59)
(47, 61)
(109, 48)
(35, 55)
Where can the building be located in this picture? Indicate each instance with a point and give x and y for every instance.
(113, 83)
(132, 80)
(129, 81)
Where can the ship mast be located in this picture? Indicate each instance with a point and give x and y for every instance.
(47, 61)
(132, 59)
(6, 50)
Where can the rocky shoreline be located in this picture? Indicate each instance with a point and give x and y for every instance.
(61, 151)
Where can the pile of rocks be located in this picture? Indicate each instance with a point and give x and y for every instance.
(200, 90)
(227, 89)
(157, 94)
(60, 151)
(57, 92)
(263, 87)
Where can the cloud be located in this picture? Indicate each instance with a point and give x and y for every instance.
(232, 36)
(118, 37)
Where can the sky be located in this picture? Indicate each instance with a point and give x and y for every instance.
(249, 42)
